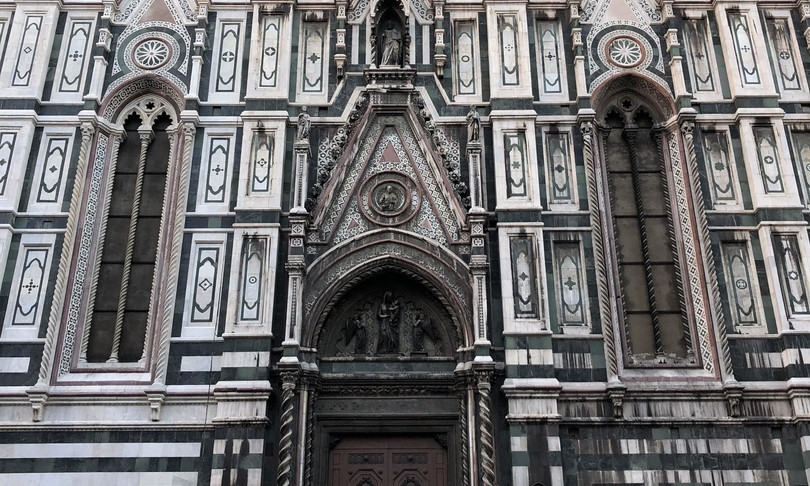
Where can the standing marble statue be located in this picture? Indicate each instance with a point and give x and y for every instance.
(473, 125)
(388, 315)
(302, 130)
(392, 43)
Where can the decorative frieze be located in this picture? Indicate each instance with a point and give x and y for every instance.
(801, 149)
(312, 60)
(508, 44)
(27, 52)
(742, 287)
(744, 49)
(700, 57)
(551, 63)
(270, 38)
(784, 55)
(50, 174)
(466, 62)
(74, 59)
(768, 156)
(570, 284)
(216, 170)
(7, 142)
(721, 169)
(226, 68)
(204, 287)
(561, 180)
(515, 161)
(791, 273)
(29, 291)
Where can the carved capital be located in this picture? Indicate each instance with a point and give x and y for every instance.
(586, 128)
(687, 129)
(88, 130)
(289, 380)
(189, 130)
(483, 379)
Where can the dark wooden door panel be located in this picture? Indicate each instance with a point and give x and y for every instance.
(394, 461)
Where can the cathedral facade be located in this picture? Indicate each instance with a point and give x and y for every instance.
(404, 242)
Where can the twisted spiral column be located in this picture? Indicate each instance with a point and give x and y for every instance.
(465, 451)
(286, 446)
(146, 138)
(60, 288)
(587, 130)
(487, 429)
(687, 129)
(313, 397)
(189, 130)
(630, 135)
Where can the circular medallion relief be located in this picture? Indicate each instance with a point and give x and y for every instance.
(151, 53)
(389, 198)
(625, 52)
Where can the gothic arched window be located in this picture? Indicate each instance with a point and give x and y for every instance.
(643, 235)
(126, 268)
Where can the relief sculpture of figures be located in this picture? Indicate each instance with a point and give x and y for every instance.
(388, 200)
(302, 131)
(388, 318)
(473, 125)
(356, 327)
(392, 42)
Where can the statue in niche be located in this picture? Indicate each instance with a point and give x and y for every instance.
(388, 316)
(303, 125)
(473, 125)
(392, 45)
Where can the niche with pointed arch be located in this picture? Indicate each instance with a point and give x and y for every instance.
(388, 315)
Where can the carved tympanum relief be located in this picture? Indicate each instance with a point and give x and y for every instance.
(387, 315)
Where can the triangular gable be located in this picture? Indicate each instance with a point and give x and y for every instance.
(390, 181)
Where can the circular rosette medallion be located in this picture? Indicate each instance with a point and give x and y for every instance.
(389, 198)
(625, 52)
(151, 53)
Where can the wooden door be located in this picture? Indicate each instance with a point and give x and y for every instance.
(388, 461)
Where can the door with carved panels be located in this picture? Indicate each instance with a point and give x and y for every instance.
(388, 461)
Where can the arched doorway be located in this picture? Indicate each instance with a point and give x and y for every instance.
(388, 411)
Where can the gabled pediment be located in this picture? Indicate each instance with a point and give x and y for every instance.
(389, 177)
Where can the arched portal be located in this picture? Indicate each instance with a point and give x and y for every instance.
(389, 333)
(437, 270)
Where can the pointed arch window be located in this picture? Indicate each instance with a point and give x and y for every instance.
(642, 232)
(118, 324)
(116, 287)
